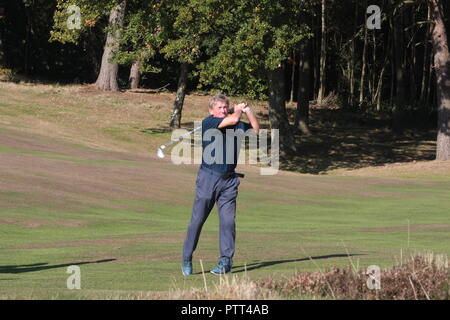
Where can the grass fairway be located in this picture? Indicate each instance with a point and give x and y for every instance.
(73, 192)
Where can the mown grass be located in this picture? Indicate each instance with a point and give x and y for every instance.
(273, 239)
(68, 158)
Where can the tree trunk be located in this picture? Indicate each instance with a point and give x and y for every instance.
(323, 57)
(442, 69)
(277, 111)
(379, 90)
(392, 63)
(413, 96)
(352, 60)
(430, 80)
(426, 62)
(352, 74)
(399, 62)
(412, 76)
(175, 118)
(2, 49)
(363, 69)
(304, 94)
(135, 74)
(316, 60)
(294, 62)
(374, 63)
(107, 78)
(2, 55)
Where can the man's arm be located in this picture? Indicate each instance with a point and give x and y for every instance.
(252, 118)
(233, 118)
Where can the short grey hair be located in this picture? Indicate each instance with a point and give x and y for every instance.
(218, 97)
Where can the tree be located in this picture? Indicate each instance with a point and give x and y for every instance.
(141, 38)
(305, 88)
(277, 110)
(132, 35)
(426, 62)
(442, 69)
(364, 64)
(135, 74)
(107, 78)
(399, 49)
(323, 54)
(92, 14)
(175, 118)
(184, 42)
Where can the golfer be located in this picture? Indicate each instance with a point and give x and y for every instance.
(217, 182)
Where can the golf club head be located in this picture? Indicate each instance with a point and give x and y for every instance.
(160, 152)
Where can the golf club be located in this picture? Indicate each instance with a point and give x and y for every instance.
(160, 151)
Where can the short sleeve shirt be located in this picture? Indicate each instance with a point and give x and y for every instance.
(215, 141)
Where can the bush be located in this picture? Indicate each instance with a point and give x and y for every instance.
(424, 276)
(6, 74)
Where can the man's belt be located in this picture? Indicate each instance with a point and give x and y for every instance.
(227, 175)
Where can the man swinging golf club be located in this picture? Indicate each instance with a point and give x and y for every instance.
(217, 182)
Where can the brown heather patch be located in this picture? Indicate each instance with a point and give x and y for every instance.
(424, 276)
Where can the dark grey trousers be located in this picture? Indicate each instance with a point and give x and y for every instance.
(212, 188)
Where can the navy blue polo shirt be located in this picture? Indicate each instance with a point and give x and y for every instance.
(218, 165)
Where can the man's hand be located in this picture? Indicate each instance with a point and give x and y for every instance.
(240, 106)
(233, 118)
(251, 117)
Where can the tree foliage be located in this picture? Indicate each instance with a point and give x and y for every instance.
(230, 45)
(142, 35)
(91, 13)
(255, 37)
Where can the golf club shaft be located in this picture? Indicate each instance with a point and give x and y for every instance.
(181, 137)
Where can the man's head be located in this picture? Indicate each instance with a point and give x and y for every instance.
(219, 106)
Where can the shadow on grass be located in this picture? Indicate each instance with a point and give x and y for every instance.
(263, 264)
(44, 266)
(153, 131)
(163, 130)
(351, 140)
